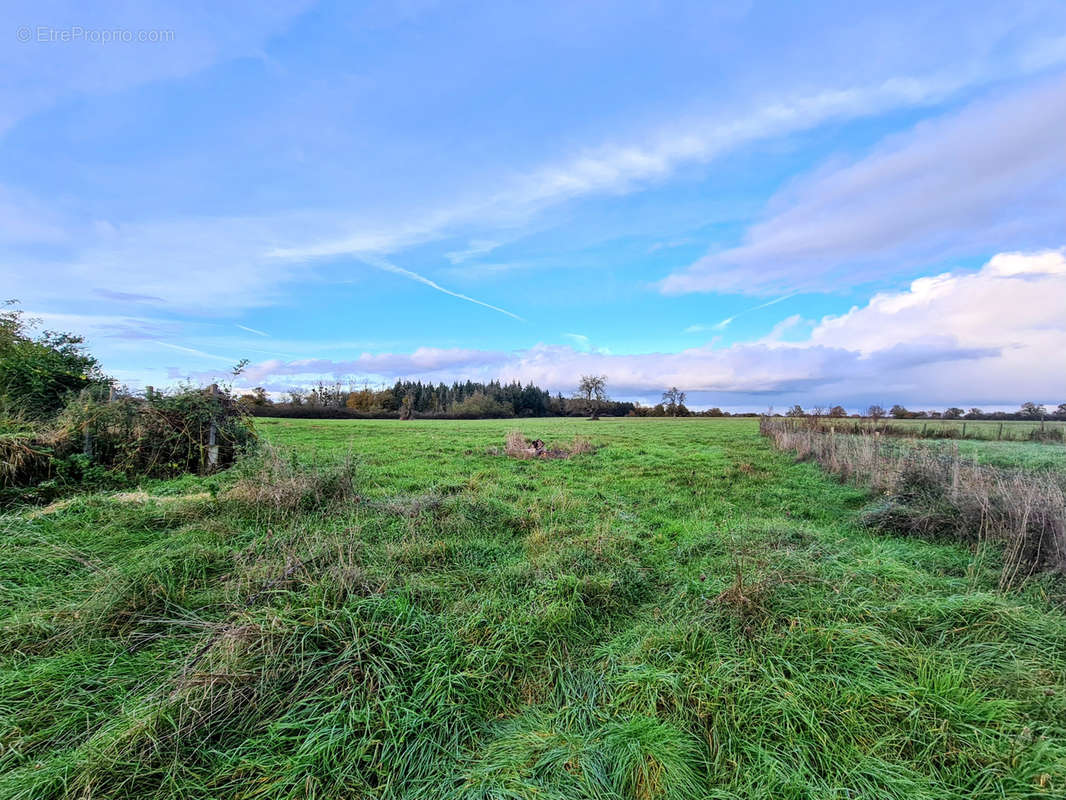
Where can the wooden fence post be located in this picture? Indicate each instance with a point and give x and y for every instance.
(212, 435)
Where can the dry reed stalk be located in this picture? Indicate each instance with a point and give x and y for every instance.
(1022, 511)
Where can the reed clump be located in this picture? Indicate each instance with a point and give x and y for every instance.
(936, 493)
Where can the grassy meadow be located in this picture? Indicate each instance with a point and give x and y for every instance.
(390, 609)
(1011, 455)
(986, 429)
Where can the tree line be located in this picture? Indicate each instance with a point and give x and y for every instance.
(1028, 411)
(407, 399)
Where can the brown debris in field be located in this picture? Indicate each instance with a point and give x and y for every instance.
(519, 447)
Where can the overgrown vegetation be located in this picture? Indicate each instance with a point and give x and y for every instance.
(935, 493)
(381, 610)
(64, 424)
(39, 373)
(518, 446)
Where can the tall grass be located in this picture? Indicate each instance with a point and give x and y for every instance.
(935, 492)
(686, 615)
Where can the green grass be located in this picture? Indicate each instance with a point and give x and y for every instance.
(1023, 455)
(684, 613)
(990, 429)
(1008, 454)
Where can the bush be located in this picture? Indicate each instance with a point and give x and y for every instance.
(106, 442)
(39, 373)
(161, 435)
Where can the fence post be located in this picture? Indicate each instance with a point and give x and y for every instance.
(212, 435)
(1000, 434)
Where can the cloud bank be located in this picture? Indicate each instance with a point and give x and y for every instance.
(993, 336)
(991, 175)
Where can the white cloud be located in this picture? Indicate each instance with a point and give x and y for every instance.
(96, 327)
(991, 175)
(1016, 301)
(988, 337)
(579, 339)
(243, 262)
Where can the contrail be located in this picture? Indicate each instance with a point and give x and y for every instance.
(728, 320)
(195, 352)
(388, 266)
(251, 330)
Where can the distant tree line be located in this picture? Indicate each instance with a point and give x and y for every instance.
(496, 399)
(407, 399)
(1028, 411)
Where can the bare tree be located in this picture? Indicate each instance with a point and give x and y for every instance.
(875, 412)
(673, 398)
(593, 390)
(1033, 411)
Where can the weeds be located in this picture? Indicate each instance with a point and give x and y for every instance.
(936, 493)
(517, 446)
(281, 484)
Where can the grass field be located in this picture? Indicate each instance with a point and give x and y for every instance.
(994, 430)
(683, 613)
(1014, 455)
(1009, 454)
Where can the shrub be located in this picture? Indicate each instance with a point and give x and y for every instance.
(160, 435)
(38, 373)
(108, 441)
(21, 460)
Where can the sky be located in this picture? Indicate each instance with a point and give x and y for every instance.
(762, 203)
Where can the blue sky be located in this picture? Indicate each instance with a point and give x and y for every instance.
(762, 203)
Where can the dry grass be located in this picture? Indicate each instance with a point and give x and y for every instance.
(937, 493)
(517, 446)
(281, 484)
(21, 460)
